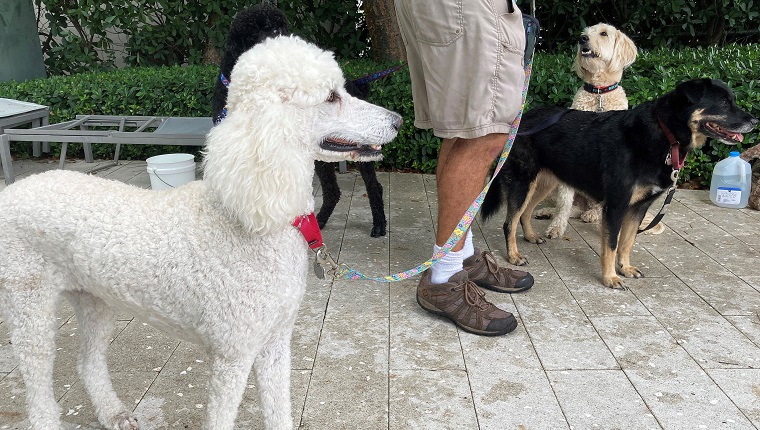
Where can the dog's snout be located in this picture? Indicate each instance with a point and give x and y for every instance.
(583, 39)
(753, 121)
(398, 121)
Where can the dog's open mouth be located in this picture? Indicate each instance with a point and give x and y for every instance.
(725, 135)
(338, 145)
(588, 53)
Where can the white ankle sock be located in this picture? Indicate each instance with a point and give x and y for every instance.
(468, 249)
(452, 262)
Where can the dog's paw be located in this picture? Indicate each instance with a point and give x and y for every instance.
(534, 239)
(517, 259)
(123, 421)
(543, 213)
(657, 229)
(378, 230)
(590, 216)
(614, 282)
(554, 232)
(631, 272)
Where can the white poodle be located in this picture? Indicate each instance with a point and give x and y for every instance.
(215, 262)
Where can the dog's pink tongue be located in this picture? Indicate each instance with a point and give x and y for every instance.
(738, 136)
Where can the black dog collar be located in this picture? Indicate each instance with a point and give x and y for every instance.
(600, 90)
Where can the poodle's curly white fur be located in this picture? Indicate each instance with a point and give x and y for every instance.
(214, 262)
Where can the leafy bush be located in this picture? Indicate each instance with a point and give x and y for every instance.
(186, 91)
(78, 36)
(655, 24)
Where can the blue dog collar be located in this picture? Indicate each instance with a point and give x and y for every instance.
(222, 115)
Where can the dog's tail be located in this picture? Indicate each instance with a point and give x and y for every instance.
(494, 198)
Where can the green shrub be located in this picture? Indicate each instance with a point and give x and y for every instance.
(651, 24)
(159, 91)
(186, 91)
(78, 36)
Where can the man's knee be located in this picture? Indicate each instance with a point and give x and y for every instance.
(493, 145)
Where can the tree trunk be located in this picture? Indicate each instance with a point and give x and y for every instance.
(385, 36)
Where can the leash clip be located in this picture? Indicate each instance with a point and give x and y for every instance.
(325, 263)
(674, 176)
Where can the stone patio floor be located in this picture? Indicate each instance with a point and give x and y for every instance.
(679, 350)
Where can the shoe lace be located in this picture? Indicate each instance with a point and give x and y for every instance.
(491, 263)
(473, 295)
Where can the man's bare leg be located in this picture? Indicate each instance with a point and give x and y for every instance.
(463, 166)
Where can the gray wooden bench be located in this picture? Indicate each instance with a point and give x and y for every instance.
(131, 130)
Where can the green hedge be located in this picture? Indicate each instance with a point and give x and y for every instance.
(186, 91)
(78, 36)
(160, 91)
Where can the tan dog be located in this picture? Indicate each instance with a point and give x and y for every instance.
(603, 53)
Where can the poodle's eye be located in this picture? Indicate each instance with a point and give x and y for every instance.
(604, 33)
(333, 97)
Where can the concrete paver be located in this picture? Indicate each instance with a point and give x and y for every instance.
(679, 350)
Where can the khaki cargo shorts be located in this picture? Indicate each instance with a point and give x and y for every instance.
(466, 62)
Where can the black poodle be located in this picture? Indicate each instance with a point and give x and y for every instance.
(249, 27)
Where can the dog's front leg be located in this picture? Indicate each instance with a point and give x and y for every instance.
(31, 314)
(272, 368)
(564, 203)
(229, 376)
(612, 220)
(375, 195)
(330, 190)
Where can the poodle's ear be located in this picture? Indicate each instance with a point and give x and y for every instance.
(257, 166)
(625, 50)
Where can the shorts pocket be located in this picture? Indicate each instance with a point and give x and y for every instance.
(512, 34)
(437, 22)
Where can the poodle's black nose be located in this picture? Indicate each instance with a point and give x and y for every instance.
(583, 39)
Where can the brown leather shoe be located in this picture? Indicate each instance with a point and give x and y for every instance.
(483, 270)
(461, 301)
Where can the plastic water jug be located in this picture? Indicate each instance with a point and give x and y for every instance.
(731, 182)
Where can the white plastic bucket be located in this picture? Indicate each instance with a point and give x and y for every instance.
(171, 170)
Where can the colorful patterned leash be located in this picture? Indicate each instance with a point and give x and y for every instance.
(344, 271)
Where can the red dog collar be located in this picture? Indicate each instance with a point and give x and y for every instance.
(309, 228)
(676, 160)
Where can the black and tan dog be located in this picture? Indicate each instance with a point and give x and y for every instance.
(624, 159)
